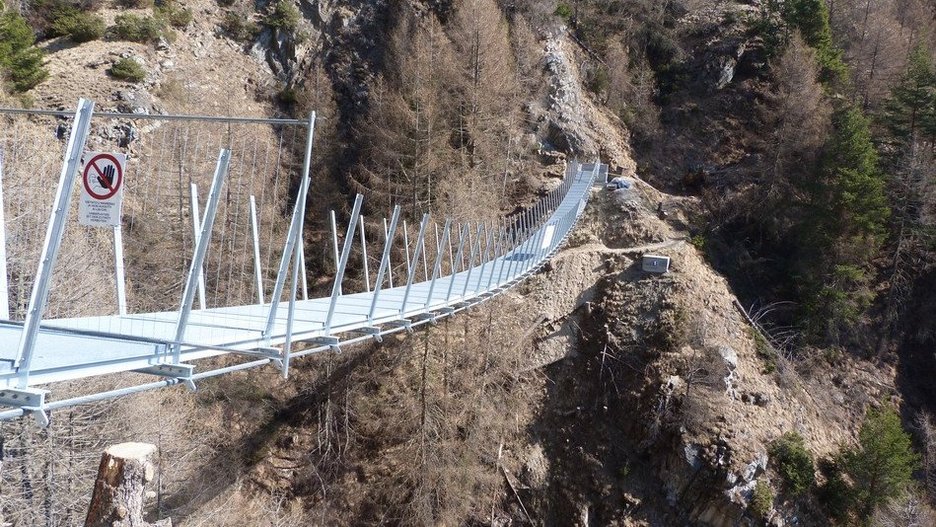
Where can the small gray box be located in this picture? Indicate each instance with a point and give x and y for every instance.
(655, 264)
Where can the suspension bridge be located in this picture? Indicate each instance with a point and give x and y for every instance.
(198, 283)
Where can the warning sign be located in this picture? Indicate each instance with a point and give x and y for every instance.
(102, 176)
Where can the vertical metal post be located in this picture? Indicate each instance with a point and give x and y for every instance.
(384, 260)
(302, 269)
(53, 240)
(456, 264)
(462, 232)
(483, 256)
(508, 239)
(437, 266)
(422, 244)
(119, 271)
(343, 262)
(471, 257)
(537, 247)
(498, 252)
(364, 254)
(196, 230)
(298, 257)
(295, 229)
(201, 248)
(4, 288)
(386, 234)
(451, 257)
(505, 248)
(406, 248)
(536, 240)
(334, 229)
(255, 231)
(298, 267)
(523, 242)
(517, 247)
(412, 272)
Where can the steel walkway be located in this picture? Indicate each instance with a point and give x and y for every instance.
(167, 344)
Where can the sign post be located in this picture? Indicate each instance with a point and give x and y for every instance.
(102, 178)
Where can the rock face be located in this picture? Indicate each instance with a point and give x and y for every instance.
(575, 123)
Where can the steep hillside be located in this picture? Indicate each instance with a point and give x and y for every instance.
(743, 387)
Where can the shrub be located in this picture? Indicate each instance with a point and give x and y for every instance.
(137, 29)
(284, 16)
(794, 462)
(599, 81)
(135, 4)
(564, 11)
(762, 499)
(287, 96)
(79, 26)
(20, 61)
(128, 70)
(764, 351)
(226, 3)
(174, 14)
(239, 27)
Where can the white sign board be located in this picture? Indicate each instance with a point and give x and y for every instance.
(102, 176)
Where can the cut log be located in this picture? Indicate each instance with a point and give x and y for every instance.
(119, 489)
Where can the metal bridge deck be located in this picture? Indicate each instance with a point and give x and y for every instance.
(76, 348)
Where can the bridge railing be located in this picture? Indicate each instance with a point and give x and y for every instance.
(213, 216)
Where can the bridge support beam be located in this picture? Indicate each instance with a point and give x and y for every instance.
(183, 372)
(29, 399)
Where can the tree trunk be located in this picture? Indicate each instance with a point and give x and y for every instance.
(119, 490)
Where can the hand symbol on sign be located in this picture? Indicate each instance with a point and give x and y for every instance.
(106, 180)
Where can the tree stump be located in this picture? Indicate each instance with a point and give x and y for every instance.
(119, 489)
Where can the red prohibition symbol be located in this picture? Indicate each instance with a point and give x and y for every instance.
(102, 176)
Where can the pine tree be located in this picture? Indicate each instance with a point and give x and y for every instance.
(855, 182)
(911, 108)
(20, 61)
(846, 223)
(811, 19)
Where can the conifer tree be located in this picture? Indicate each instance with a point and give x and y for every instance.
(811, 19)
(882, 466)
(20, 61)
(910, 109)
(854, 179)
(847, 222)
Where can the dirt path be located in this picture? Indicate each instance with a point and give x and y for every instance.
(598, 247)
